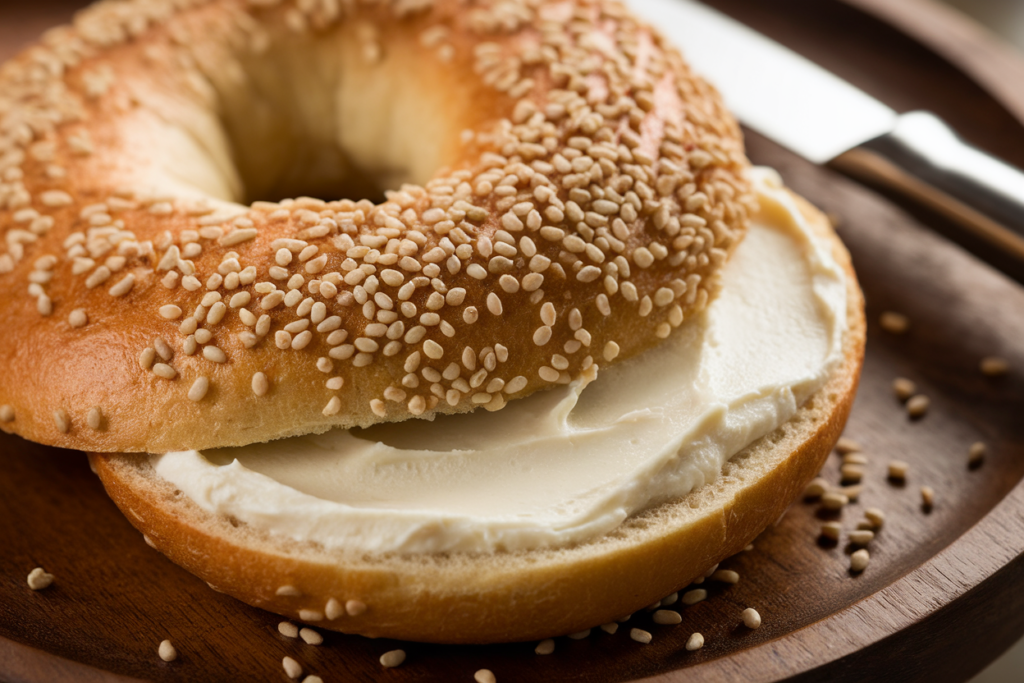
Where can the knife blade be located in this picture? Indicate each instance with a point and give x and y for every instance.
(824, 119)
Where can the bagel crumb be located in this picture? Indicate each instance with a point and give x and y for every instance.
(875, 516)
(392, 658)
(816, 489)
(898, 470)
(311, 637)
(927, 497)
(38, 579)
(976, 454)
(994, 366)
(894, 323)
(292, 669)
(918, 405)
(751, 618)
(611, 628)
(288, 629)
(640, 635)
(167, 651)
(903, 388)
(667, 617)
(859, 560)
(834, 501)
(695, 642)
(546, 647)
(847, 445)
(831, 530)
(579, 635)
(694, 596)
(861, 537)
(355, 607)
(726, 576)
(485, 676)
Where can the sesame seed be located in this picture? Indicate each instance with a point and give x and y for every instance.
(667, 617)
(875, 516)
(726, 576)
(859, 560)
(334, 609)
(903, 388)
(894, 323)
(694, 596)
(862, 537)
(610, 628)
(994, 366)
(831, 530)
(816, 489)
(292, 669)
(355, 608)
(6, 413)
(579, 635)
(310, 615)
(917, 406)
(288, 629)
(123, 286)
(898, 470)
(846, 445)
(95, 418)
(167, 652)
(976, 454)
(494, 304)
(199, 389)
(78, 318)
(392, 658)
(38, 579)
(260, 385)
(695, 642)
(851, 473)
(855, 459)
(834, 501)
(640, 635)
(927, 497)
(62, 421)
(288, 591)
(545, 647)
(214, 354)
(484, 676)
(170, 312)
(311, 637)
(312, 679)
(751, 618)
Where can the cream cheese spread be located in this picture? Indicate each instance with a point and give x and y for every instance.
(571, 463)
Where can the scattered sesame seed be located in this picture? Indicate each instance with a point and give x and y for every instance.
(695, 642)
(640, 635)
(917, 405)
(62, 421)
(199, 389)
(846, 445)
(334, 609)
(484, 676)
(976, 454)
(38, 579)
(667, 617)
(6, 413)
(170, 312)
(859, 560)
(751, 618)
(833, 500)
(894, 323)
(355, 608)
(694, 596)
(167, 651)
(610, 628)
(292, 669)
(816, 489)
(392, 658)
(855, 459)
(95, 418)
(875, 516)
(994, 366)
(260, 385)
(726, 576)
(862, 537)
(288, 592)
(288, 629)
(78, 318)
(903, 388)
(831, 530)
(311, 615)
(898, 470)
(851, 473)
(165, 371)
(579, 635)
(311, 637)
(312, 679)
(927, 497)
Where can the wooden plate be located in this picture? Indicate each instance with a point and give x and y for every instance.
(936, 601)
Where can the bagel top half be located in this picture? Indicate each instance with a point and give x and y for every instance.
(560, 191)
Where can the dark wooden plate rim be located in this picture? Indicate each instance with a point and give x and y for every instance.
(984, 559)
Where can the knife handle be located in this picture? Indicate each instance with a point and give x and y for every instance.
(925, 160)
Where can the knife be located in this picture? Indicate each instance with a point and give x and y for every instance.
(826, 120)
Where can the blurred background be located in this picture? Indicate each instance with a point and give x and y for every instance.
(19, 25)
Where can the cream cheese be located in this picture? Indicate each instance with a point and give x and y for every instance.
(568, 464)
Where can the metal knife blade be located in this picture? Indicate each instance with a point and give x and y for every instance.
(819, 116)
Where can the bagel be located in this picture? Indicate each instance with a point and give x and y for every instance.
(507, 596)
(568, 193)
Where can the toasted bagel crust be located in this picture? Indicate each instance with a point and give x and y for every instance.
(509, 596)
(579, 190)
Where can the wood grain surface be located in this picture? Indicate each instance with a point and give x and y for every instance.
(937, 601)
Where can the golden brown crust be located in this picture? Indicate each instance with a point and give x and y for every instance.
(581, 189)
(510, 596)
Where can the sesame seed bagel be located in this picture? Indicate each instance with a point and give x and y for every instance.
(560, 190)
(507, 596)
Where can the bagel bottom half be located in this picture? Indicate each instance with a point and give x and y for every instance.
(508, 596)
